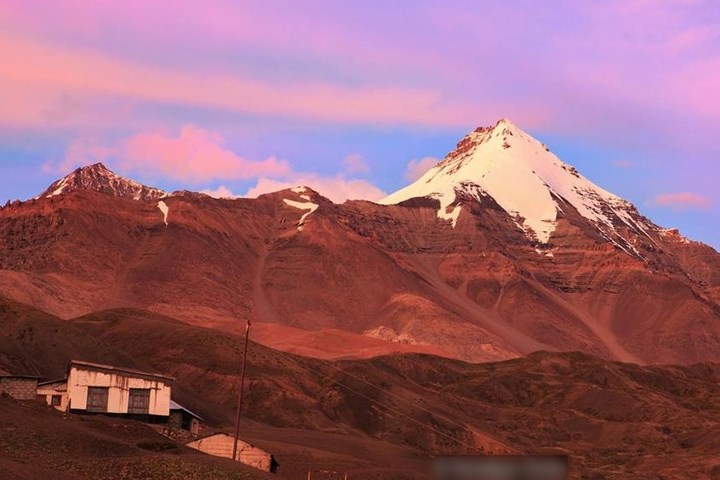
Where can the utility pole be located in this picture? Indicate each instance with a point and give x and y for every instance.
(242, 387)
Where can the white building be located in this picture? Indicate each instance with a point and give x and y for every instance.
(96, 388)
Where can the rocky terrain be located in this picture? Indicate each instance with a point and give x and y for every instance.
(383, 417)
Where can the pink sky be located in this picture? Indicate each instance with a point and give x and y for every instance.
(440, 67)
(155, 86)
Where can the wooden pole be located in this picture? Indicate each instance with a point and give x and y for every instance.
(242, 387)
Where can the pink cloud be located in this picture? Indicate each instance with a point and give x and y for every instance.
(220, 192)
(356, 163)
(681, 201)
(650, 63)
(623, 163)
(194, 155)
(36, 75)
(416, 168)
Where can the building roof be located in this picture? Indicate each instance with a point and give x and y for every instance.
(176, 406)
(50, 382)
(121, 370)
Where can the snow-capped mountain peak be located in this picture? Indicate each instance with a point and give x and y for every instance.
(525, 179)
(99, 178)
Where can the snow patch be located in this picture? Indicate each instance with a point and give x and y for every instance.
(98, 178)
(451, 215)
(165, 210)
(60, 187)
(309, 206)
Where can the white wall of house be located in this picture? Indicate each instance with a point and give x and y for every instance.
(119, 385)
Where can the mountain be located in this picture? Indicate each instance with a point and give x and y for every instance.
(526, 180)
(98, 178)
(498, 251)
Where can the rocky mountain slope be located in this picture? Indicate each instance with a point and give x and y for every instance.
(500, 250)
(98, 178)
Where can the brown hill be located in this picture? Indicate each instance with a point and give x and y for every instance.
(616, 420)
(39, 442)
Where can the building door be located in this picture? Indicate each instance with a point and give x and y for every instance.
(97, 399)
(139, 401)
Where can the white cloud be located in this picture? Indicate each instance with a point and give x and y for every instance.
(417, 167)
(336, 188)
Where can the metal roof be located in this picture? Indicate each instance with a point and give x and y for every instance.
(100, 366)
(176, 406)
(48, 382)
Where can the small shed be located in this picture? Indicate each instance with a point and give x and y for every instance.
(19, 387)
(221, 445)
(183, 419)
(54, 393)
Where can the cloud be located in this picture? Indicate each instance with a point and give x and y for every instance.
(356, 163)
(38, 74)
(336, 188)
(220, 192)
(349, 67)
(416, 168)
(193, 155)
(681, 201)
(622, 163)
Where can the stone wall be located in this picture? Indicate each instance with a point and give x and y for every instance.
(19, 388)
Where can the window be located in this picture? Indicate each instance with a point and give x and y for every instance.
(97, 399)
(56, 400)
(139, 401)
